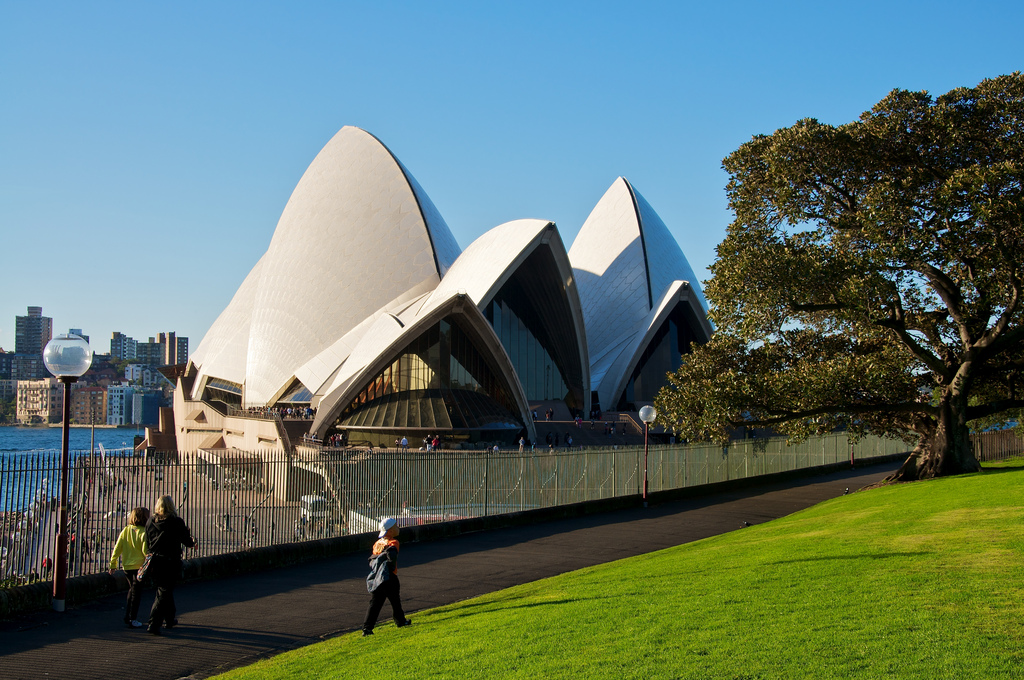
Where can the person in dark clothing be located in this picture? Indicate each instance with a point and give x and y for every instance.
(166, 533)
(386, 548)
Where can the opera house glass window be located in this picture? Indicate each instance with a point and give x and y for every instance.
(663, 355)
(532, 318)
(438, 382)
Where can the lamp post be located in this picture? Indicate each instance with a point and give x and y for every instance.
(647, 414)
(67, 357)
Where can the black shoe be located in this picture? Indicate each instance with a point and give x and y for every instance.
(154, 631)
(403, 624)
(171, 624)
(367, 632)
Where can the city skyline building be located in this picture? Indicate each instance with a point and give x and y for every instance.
(122, 346)
(8, 389)
(88, 405)
(31, 333)
(163, 350)
(120, 399)
(145, 407)
(39, 401)
(6, 364)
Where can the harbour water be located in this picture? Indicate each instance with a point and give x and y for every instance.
(29, 455)
(19, 440)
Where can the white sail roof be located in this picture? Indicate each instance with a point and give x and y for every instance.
(357, 233)
(223, 349)
(625, 260)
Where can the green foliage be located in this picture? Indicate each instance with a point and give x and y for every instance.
(8, 410)
(872, 277)
(913, 581)
(120, 365)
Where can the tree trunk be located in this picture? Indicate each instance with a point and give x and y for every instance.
(944, 449)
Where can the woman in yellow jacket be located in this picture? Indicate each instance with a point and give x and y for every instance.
(132, 547)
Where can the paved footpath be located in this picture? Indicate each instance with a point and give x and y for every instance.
(233, 622)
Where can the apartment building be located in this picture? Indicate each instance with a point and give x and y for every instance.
(40, 401)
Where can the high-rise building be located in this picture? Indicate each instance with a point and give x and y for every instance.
(122, 347)
(6, 363)
(169, 344)
(150, 353)
(31, 333)
(28, 367)
(182, 352)
(175, 349)
(79, 333)
(165, 348)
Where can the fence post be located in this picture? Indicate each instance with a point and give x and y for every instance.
(522, 482)
(661, 472)
(487, 465)
(557, 490)
(685, 466)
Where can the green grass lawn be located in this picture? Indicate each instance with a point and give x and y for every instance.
(919, 580)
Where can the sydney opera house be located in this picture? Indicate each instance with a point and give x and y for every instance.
(365, 312)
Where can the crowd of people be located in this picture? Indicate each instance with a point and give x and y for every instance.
(283, 412)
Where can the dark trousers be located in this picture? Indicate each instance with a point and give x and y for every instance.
(166, 572)
(391, 591)
(131, 610)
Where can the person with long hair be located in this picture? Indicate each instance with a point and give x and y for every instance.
(132, 547)
(166, 533)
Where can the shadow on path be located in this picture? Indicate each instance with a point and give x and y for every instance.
(235, 621)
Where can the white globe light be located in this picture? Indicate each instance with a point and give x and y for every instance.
(648, 414)
(67, 356)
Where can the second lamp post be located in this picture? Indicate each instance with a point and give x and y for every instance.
(647, 414)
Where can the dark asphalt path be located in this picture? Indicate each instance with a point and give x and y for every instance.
(232, 622)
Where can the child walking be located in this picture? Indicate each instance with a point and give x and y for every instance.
(132, 547)
(383, 580)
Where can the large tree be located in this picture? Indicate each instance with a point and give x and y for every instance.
(871, 280)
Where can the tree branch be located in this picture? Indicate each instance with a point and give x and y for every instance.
(992, 408)
(928, 358)
(990, 340)
(809, 309)
(950, 294)
(787, 416)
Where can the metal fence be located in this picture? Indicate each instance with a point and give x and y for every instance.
(235, 501)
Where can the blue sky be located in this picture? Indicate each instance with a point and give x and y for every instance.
(129, 131)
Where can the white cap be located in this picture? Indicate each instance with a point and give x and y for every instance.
(386, 524)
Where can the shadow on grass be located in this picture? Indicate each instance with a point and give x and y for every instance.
(875, 556)
(461, 610)
(1000, 469)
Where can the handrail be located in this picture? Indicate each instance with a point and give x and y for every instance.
(280, 493)
(628, 418)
